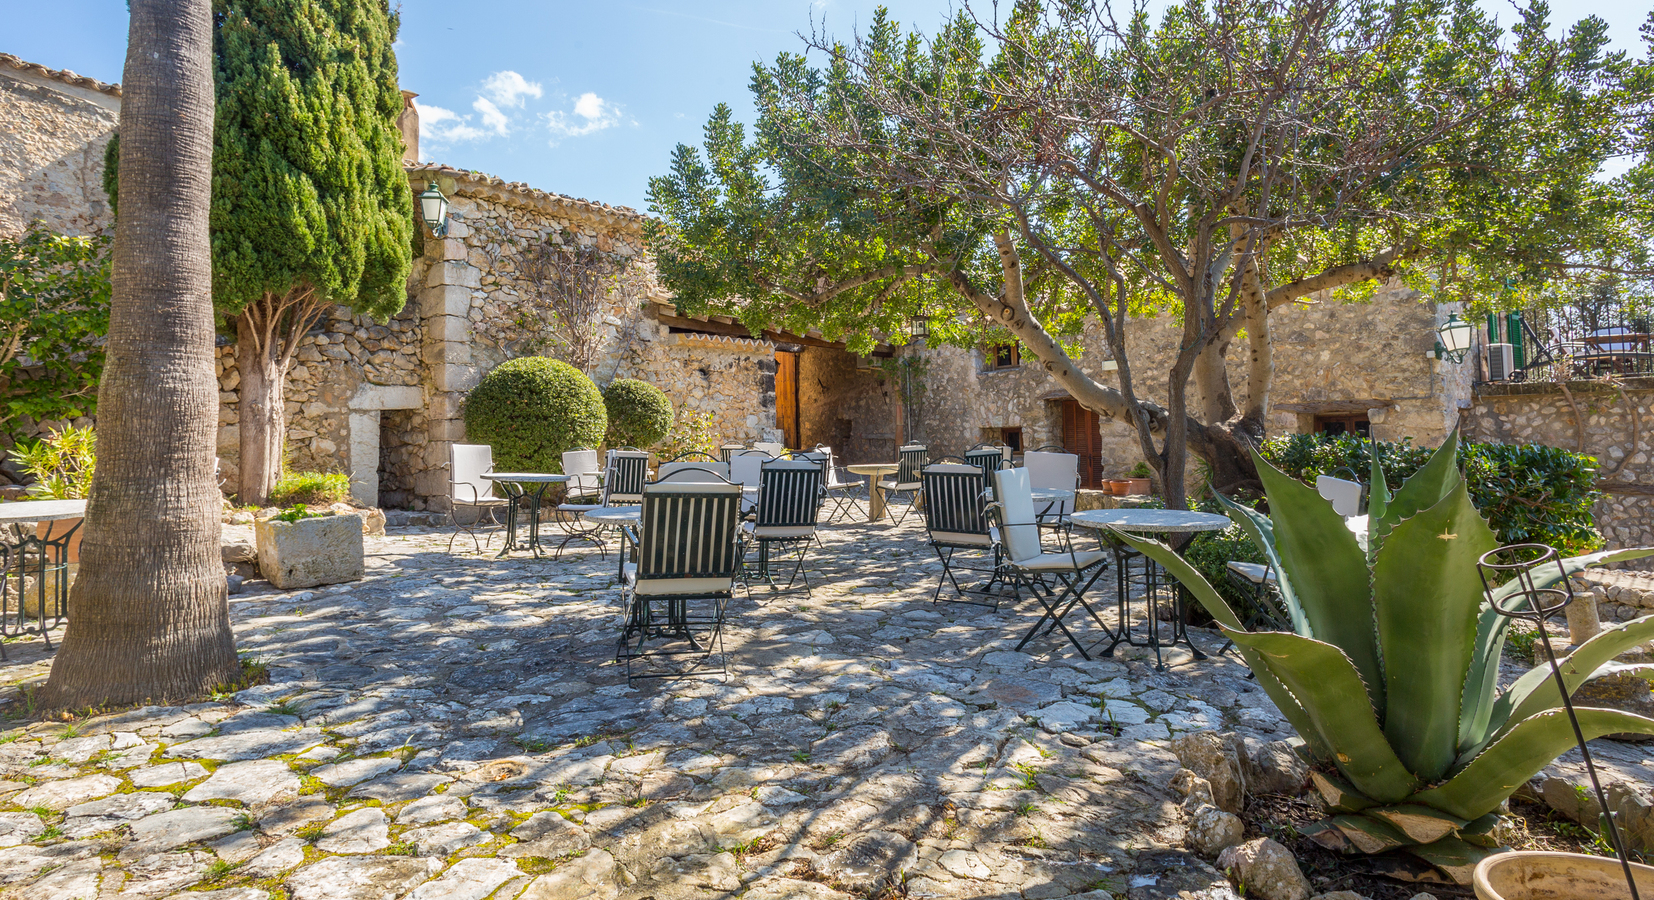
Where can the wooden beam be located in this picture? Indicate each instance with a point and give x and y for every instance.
(1332, 407)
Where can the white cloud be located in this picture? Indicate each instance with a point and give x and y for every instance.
(444, 126)
(507, 88)
(591, 114)
(492, 119)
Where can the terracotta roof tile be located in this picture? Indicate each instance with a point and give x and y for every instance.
(8, 61)
(478, 184)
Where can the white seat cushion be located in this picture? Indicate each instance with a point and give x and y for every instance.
(578, 507)
(482, 501)
(961, 539)
(1257, 573)
(779, 531)
(890, 484)
(1060, 562)
(657, 586)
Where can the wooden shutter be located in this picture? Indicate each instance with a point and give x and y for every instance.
(1082, 436)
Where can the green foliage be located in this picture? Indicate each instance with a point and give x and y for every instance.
(1211, 551)
(1527, 492)
(54, 311)
(296, 513)
(308, 187)
(640, 415)
(1141, 470)
(1390, 672)
(314, 488)
(61, 464)
(691, 432)
(532, 410)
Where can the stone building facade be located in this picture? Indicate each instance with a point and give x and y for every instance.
(383, 401)
(56, 126)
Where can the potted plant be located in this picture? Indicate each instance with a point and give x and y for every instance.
(1391, 670)
(61, 465)
(1137, 480)
(298, 548)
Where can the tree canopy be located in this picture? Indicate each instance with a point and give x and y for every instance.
(1060, 167)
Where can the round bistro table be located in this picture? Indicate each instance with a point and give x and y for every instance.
(519, 486)
(49, 553)
(875, 500)
(617, 517)
(1183, 523)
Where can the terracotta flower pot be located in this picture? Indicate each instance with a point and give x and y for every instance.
(1138, 486)
(55, 530)
(1544, 875)
(1117, 486)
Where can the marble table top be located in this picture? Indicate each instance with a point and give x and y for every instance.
(1173, 521)
(41, 511)
(617, 515)
(526, 477)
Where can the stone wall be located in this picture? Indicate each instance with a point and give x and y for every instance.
(855, 411)
(51, 148)
(1329, 357)
(1608, 421)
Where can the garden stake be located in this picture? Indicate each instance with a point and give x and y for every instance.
(1523, 560)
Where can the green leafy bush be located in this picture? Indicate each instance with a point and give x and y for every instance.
(297, 512)
(313, 488)
(640, 415)
(691, 433)
(54, 312)
(531, 411)
(61, 464)
(1528, 492)
(1211, 551)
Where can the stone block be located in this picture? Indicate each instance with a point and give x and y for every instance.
(456, 378)
(447, 430)
(448, 328)
(310, 552)
(387, 396)
(445, 353)
(445, 300)
(454, 272)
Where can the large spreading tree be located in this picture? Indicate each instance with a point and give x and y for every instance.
(148, 617)
(310, 205)
(1060, 169)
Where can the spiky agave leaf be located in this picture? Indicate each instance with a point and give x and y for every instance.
(1262, 532)
(1536, 690)
(1326, 686)
(1424, 489)
(1479, 787)
(1426, 588)
(1328, 572)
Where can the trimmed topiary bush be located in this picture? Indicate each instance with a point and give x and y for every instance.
(531, 411)
(639, 413)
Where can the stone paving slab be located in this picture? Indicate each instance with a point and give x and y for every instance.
(456, 727)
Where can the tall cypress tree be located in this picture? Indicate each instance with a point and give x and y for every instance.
(310, 205)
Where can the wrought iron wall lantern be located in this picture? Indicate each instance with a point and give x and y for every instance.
(1453, 339)
(919, 327)
(433, 208)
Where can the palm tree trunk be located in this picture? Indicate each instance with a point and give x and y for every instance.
(148, 618)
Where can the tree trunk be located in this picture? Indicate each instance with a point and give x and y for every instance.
(260, 409)
(148, 619)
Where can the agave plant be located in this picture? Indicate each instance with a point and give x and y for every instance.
(1390, 673)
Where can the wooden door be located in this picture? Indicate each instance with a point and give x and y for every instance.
(1082, 436)
(786, 398)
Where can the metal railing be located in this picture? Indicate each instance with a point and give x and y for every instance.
(1573, 342)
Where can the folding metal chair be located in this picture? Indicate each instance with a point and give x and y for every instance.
(689, 547)
(728, 450)
(955, 519)
(913, 457)
(1027, 564)
(789, 503)
(467, 463)
(839, 486)
(989, 458)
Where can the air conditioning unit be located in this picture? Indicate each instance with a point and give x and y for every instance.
(1501, 361)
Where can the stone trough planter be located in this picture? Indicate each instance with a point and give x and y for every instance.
(1557, 876)
(310, 552)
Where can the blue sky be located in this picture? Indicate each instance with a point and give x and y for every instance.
(586, 99)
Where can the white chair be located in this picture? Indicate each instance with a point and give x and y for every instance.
(771, 447)
(585, 478)
(1345, 496)
(1027, 564)
(1048, 471)
(467, 463)
(746, 469)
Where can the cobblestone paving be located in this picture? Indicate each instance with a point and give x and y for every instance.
(455, 727)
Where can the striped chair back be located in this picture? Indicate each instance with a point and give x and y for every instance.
(789, 493)
(728, 450)
(988, 460)
(954, 504)
(913, 458)
(628, 469)
(688, 537)
(821, 457)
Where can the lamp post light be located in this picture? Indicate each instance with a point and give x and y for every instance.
(1453, 339)
(433, 208)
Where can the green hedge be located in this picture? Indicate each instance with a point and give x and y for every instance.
(531, 411)
(1528, 492)
(640, 415)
